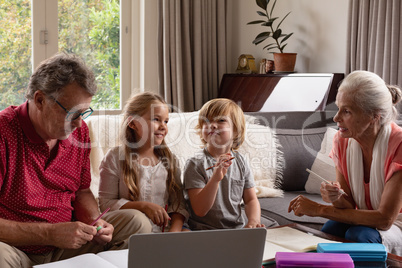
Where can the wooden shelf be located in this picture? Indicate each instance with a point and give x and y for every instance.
(251, 91)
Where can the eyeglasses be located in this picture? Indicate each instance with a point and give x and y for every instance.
(73, 115)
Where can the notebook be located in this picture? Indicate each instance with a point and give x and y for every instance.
(358, 251)
(318, 260)
(198, 249)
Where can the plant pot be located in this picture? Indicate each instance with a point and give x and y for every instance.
(285, 62)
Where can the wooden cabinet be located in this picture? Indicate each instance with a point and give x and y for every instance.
(281, 92)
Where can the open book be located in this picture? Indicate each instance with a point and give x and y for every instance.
(287, 239)
(105, 259)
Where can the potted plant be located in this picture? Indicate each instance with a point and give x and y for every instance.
(284, 62)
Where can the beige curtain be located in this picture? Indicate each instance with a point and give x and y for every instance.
(374, 41)
(191, 51)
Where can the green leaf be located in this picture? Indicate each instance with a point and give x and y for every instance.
(272, 9)
(267, 23)
(277, 34)
(261, 37)
(283, 19)
(256, 22)
(273, 19)
(258, 41)
(270, 46)
(262, 3)
(266, 34)
(283, 47)
(261, 14)
(286, 37)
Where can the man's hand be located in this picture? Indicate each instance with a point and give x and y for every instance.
(71, 235)
(105, 233)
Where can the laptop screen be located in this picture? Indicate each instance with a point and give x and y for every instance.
(212, 249)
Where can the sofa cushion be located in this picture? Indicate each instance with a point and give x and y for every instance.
(104, 131)
(299, 149)
(300, 135)
(323, 165)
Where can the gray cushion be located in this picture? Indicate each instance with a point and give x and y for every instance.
(300, 148)
(300, 135)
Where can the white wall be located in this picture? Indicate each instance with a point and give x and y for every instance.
(319, 26)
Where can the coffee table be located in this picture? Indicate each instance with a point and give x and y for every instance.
(392, 259)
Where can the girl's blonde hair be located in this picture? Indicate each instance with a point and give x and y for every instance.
(216, 108)
(137, 106)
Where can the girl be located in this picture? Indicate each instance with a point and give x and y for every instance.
(142, 172)
(215, 194)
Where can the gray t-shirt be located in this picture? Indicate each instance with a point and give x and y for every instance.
(226, 210)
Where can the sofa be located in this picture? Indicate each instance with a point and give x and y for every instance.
(279, 147)
(301, 136)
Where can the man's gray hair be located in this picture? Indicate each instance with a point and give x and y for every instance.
(59, 71)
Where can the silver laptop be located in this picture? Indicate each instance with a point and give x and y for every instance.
(207, 249)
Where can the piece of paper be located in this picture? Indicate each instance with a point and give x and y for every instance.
(105, 259)
(287, 239)
(117, 257)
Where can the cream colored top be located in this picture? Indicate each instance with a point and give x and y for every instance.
(113, 191)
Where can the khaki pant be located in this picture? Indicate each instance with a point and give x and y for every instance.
(125, 222)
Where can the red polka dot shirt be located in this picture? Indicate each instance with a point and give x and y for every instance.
(35, 187)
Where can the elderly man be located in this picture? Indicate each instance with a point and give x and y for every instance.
(46, 206)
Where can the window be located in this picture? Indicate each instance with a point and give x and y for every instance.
(15, 51)
(89, 28)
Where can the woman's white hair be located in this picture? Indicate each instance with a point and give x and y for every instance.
(372, 94)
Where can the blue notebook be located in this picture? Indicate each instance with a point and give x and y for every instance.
(357, 251)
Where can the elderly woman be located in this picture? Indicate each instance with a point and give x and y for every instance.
(367, 151)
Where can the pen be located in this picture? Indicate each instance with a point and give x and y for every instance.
(217, 164)
(324, 180)
(100, 216)
(163, 227)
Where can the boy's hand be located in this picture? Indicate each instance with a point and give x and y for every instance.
(222, 166)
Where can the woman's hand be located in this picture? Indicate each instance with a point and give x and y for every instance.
(303, 206)
(330, 192)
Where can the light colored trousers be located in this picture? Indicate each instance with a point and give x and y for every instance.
(125, 222)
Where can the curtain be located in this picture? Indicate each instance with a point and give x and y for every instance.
(374, 42)
(191, 51)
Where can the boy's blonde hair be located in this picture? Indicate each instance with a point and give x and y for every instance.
(219, 107)
(137, 106)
